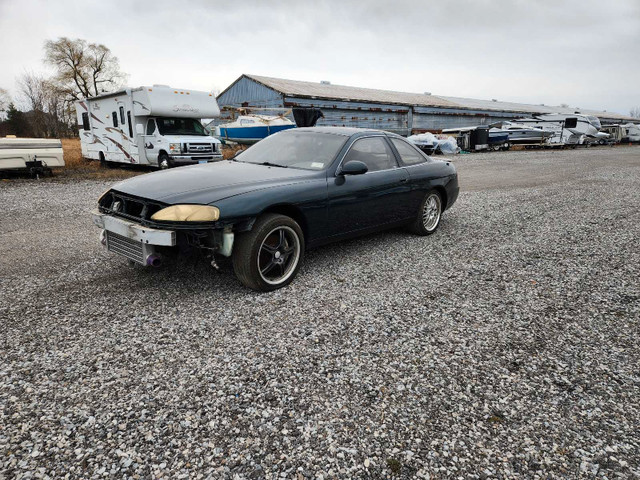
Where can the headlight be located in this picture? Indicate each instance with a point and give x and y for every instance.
(187, 213)
(175, 148)
(103, 195)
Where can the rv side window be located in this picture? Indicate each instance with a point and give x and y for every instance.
(85, 121)
(114, 115)
(571, 122)
(122, 115)
(151, 126)
(130, 126)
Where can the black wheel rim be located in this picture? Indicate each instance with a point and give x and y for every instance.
(278, 255)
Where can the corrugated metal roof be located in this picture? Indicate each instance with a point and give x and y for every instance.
(528, 108)
(342, 92)
(346, 93)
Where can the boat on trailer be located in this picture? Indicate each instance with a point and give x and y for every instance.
(251, 128)
(570, 129)
(520, 134)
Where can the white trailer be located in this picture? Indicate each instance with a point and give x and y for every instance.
(35, 155)
(158, 126)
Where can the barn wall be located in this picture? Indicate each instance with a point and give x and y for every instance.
(401, 119)
(393, 118)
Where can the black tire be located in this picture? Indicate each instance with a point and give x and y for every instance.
(264, 259)
(427, 219)
(104, 163)
(164, 161)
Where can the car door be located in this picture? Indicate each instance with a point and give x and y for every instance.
(422, 172)
(375, 198)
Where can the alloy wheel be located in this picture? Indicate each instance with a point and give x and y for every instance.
(278, 255)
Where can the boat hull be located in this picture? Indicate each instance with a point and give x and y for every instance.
(251, 134)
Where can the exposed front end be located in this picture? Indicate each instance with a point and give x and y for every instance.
(146, 231)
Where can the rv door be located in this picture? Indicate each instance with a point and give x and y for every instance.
(126, 142)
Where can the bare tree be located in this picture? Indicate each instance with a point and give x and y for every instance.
(84, 69)
(50, 106)
(5, 101)
(635, 112)
(34, 90)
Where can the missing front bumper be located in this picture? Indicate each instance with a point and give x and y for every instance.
(133, 241)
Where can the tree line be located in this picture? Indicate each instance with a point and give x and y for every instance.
(80, 70)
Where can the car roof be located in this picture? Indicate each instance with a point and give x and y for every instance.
(347, 131)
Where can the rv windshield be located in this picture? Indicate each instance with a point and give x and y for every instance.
(180, 126)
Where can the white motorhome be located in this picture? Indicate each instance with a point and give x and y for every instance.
(158, 126)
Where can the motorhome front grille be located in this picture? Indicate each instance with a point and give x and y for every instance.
(126, 247)
(199, 148)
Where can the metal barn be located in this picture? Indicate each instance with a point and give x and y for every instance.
(403, 113)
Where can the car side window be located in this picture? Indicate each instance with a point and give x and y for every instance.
(151, 126)
(408, 153)
(373, 152)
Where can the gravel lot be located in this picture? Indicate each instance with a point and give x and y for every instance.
(504, 346)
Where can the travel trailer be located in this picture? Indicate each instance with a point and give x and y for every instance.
(157, 126)
(632, 133)
(33, 155)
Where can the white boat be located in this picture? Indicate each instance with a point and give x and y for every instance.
(251, 128)
(567, 128)
(35, 155)
(521, 134)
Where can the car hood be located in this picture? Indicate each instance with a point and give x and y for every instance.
(208, 183)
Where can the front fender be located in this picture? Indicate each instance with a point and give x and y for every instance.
(310, 198)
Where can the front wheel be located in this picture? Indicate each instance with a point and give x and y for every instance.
(428, 217)
(164, 161)
(269, 256)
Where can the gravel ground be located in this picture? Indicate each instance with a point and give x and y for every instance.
(504, 346)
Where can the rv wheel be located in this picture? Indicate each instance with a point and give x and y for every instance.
(164, 161)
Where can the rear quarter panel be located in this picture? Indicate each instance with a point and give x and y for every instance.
(434, 174)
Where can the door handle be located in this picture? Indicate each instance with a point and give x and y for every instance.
(403, 180)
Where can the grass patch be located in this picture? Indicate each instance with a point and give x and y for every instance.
(77, 167)
(394, 465)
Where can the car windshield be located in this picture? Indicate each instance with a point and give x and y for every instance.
(180, 126)
(306, 150)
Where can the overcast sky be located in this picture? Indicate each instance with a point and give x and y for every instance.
(585, 53)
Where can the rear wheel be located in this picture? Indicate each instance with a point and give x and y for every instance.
(428, 217)
(269, 256)
(104, 163)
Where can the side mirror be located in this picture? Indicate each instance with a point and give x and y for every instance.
(354, 167)
(139, 129)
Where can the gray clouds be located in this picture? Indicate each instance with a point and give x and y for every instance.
(579, 52)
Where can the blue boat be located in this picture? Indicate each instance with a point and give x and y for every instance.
(249, 129)
(497, 137)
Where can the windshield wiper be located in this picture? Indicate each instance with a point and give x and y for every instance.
(269, 164)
